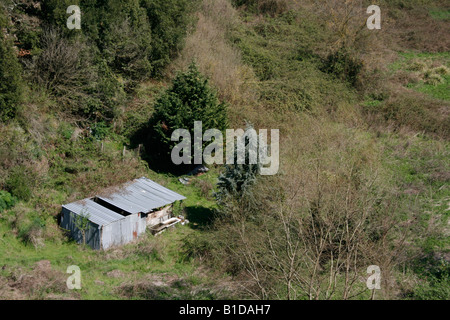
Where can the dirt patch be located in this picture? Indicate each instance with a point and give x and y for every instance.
(116, 253)
(42, 282)
(43, 266)
(9, 293)
(169, 286)
(115, 274)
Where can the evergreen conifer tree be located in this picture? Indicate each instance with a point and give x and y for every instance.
(190, 99)
(237, 179)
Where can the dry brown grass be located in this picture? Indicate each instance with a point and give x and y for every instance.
(336, 172)
(209, 47)
(117, 172)
(411, 112)
(42, 282)
(415, 29)
(166, 286)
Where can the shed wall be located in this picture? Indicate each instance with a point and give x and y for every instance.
(123, 231)
(93, 233)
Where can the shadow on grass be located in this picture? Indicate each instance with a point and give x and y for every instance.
(156, 153)
(200, 217)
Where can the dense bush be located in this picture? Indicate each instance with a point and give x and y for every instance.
(63, 65)
(169, 20)
(137, 37)
(343, 65)
(7, 201)
(271, 7)
(120, 43)
(127, 51)
(122, 32)
(10, 74)
(20, 183)
(68, 69)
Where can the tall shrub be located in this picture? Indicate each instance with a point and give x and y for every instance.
(237, 179)
(10, 73)
(189, 99)
(169, 20)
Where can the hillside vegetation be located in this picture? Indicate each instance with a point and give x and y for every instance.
(364, 146)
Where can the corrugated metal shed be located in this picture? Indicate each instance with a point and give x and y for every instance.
(97, 213)
(121, 217)
(142, 195)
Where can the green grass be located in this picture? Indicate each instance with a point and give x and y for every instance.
(405, 57)
(167, 258)
(440, 91)
(280, 51)
(95, 265)
(440, 14)
(421, 167)
(421, 63)
(199, 206)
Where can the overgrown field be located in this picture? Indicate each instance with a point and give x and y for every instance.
(364, 146)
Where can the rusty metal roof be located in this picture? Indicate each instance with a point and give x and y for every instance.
(141, 195)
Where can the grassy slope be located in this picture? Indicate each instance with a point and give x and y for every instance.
(418, 64)
(154, 255)
(288, 82)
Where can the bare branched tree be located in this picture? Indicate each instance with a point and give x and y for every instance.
(347, 20)
(66, 69)
(63, 65)
(315, 239)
